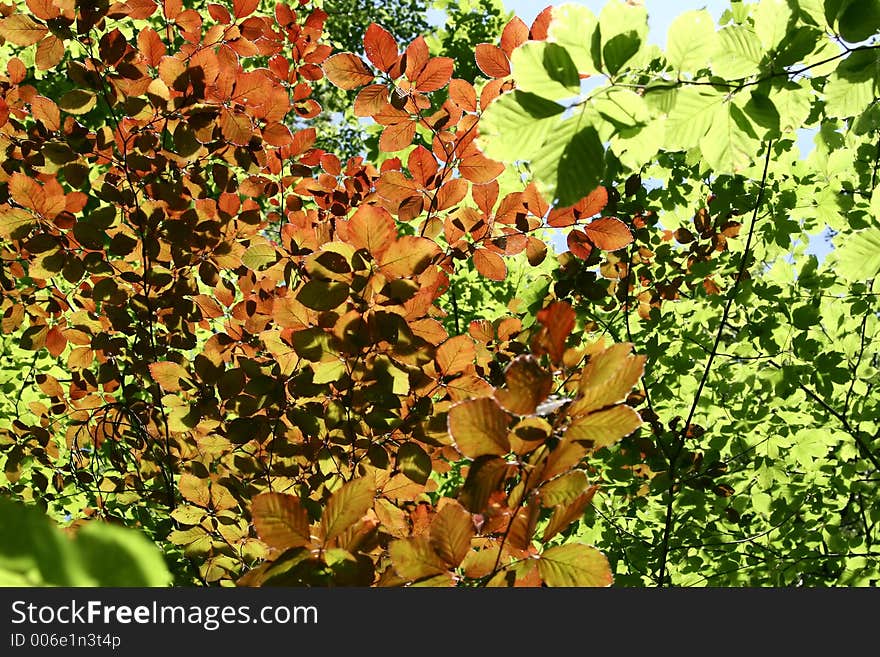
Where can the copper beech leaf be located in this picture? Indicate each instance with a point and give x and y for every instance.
(558, 320)
(414, 462)
(492, 61)
(479, 427)
(414, 558)
(490, 264)
(566, 513)
(372, 228)
(564, 489)
(484, 477)
(347, 505)
(574, 564)
(380, 47)
(451, 532)
(347, 71)
(604, 428)
(607, 378)
(168, 375)
(408, 256)
(455, 355)
(608, 233)
(526, 385)
(195, 490)
(435, 75)
(280, 520)
(22, 30)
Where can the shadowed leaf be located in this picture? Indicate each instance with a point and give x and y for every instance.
(280, 520)
(527, 385)
(347, 505)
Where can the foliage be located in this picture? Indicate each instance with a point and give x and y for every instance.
(35, 553)
(287, 367)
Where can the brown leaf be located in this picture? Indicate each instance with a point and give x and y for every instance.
(451, 532)
(435, 75)
(22, 30)
(372, 228)
(527, 385)
(347, 71)
(280, 520)
(479, 427)
(492, 60)
(408, 256)
(604, 428)
(168, 375)
(455, 355)
(574, 564)
(414, 558)
(490, 264)
(347, 505)
(567, 513)
(608, 233)
(380, 47)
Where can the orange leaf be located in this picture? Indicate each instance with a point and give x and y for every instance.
(541, 24)
(558, 320)
(171, 8)
(463, 94)
(151, 46)
(347, 71)
(277, 134)
(397, 137)
(236, 127)
(490, 264)
(408, 256)
(607, 378)
(479, 169)
(380, 47)
(608, 233)
(43, 9)
(242, 8)
(593, 203)
(455, 355)
(49, 52)
(515, 34)
(16, 70)
(479, 427)
(280, 520)
(55, 341)
(372, 228)
(579, 244)
(451, 532)
(168, 375)
(371, 100)
(492, 61)
(140, 9)
(22, 30)
(452, 192)
(27, 192)
(46, 112)
(527, 385)
(422, 165)
(417, 55)
(435, 75)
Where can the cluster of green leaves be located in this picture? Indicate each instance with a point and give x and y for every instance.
(761, 386)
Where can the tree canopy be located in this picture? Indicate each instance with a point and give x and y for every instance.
(279, 291)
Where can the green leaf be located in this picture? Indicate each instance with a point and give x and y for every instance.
(545, 69)
(574, 564)
(691, 116)
(771, 22)
(259, 255)
(625, 108)
(117, 556)
(793, 102)
(517, 125)
(860, 20)
(851, 88)
(574, 27)
(739, 53)
(731, 144)
(572, 165)
(623, 29)
(858, 255)
(691, 41)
